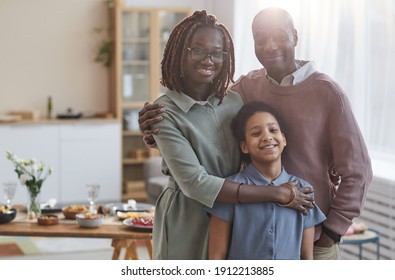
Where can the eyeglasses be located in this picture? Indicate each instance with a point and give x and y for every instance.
(215, 56)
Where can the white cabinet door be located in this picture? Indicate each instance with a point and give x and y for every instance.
(30, 141)
(90, 153)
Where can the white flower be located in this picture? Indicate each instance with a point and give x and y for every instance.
(23, 178)
(29, 172)
(40, 167)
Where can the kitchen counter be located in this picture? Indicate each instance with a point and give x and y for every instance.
(80, 151)
(61, 121)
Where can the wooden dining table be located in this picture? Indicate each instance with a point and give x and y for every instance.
(112, 228)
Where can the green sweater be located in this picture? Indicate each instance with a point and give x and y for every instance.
(198, 151)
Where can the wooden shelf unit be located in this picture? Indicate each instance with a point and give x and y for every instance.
(140, 35)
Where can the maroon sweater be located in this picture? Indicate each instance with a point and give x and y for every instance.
(322, 135)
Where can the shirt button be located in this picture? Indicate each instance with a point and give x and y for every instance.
(271, 230)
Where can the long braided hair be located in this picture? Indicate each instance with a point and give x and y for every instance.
(176, 50)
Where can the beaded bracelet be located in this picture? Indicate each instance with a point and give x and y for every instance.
(293, 196)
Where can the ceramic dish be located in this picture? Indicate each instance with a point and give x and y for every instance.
(48, 220)
(7, 215)
(48, 210)
(122, 207)
(122, 215)
(131, 223)
(88, 220)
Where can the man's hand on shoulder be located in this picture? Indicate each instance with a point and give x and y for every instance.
(150, 114)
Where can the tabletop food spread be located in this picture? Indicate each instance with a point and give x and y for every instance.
(139, 219)
(103, 224)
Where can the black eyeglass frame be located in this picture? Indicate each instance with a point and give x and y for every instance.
(207, 54)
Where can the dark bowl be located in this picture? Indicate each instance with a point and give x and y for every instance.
(6, 217)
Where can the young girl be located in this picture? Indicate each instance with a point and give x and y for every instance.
(261, 230)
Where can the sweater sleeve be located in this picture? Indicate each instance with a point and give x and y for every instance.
(351, 160)
(184, 166)
(196, 144)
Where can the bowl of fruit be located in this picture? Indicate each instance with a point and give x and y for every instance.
(6, 214)
(89, 220)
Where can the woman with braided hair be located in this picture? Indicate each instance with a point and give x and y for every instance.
(196, 141)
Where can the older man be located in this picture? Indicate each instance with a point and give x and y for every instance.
(323, 135)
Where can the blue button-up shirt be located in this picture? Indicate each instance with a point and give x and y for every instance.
(265, 230)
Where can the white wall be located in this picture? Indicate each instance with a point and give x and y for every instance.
(48, 48)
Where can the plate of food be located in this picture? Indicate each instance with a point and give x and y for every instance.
(51, 210)
(122, 207)
(122, 215)
(144, 224)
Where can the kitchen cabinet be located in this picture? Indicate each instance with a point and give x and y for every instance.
(80, 152)
(95, 150)
(27, 142)
(140, 37)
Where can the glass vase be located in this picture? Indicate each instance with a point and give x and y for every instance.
(33, 205)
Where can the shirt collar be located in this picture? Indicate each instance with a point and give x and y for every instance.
(184, 102)
(305, 69)
(258, 179)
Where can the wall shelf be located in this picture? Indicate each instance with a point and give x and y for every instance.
(140, 36)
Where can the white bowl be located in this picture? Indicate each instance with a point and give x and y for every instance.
(87, 220)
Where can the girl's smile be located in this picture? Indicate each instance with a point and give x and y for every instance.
(264, 141)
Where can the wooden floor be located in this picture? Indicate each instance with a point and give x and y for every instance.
(10, 249)
(26, 248)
